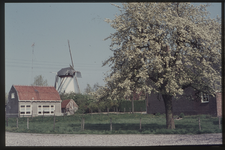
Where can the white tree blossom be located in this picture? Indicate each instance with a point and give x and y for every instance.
(163, 48)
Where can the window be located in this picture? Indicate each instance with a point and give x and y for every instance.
(12, 95)
(40, 109)
(25, 109)
(46, 109)
(204, 98)
(52, 108)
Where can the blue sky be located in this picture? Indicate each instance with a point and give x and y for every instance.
(49, 26)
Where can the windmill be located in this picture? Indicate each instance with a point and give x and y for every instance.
(66, 78)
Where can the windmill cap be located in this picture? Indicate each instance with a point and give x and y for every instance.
(65, 72)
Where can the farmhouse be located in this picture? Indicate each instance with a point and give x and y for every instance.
(33, 101)
(69, 107)
(205, 104)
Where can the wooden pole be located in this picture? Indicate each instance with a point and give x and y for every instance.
(83, 122)
(199, 123)
(32, 114)
(54, 122)
(27, 122)
(219, 123)
(108, 110)
(132, 102)
(17, 122)
(110, 124)
(117, 110)
(140, 123)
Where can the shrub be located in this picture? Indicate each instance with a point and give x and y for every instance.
(157, 114)
(93, 106)
(181, 115)
(139, 105)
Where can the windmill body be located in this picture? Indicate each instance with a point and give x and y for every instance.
(66, 79)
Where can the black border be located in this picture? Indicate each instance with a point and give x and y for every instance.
(2, 62)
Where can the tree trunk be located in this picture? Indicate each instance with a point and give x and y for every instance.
(169, 111)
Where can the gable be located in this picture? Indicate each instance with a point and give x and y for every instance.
(66, 102)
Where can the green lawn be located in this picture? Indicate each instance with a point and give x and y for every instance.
(121, 124)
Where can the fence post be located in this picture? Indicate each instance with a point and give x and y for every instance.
(54, 122)
(199, 123)
(27, 122)
(130, 111)
(141, 109)
(32, 114)
(117, 110)
(17, 122)
(108, 110)
(114, 109)
(124, 110)
(110, 124)
(91, 111)
(140, 123)
(219, 123)
(82, 123)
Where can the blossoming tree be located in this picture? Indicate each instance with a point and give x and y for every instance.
(163, 48)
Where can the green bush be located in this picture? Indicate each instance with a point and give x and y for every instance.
(93, 106)
(157, 114)
(139, 105)
(181, 115)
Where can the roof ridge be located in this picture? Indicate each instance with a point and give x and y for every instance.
(34, 85)
(37, 92)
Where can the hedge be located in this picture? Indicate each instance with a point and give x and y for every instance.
(139, 105)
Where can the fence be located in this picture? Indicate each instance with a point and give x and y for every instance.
(111, 123)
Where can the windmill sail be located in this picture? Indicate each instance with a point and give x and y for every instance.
(68, 78)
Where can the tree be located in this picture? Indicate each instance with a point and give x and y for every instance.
(39, 81)
(90, 89)
(163, 48)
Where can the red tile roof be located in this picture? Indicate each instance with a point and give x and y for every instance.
(65, 102)
(37, 92)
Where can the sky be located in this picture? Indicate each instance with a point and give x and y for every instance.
(48, 26)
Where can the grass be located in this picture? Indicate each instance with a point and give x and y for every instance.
(121, 124)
